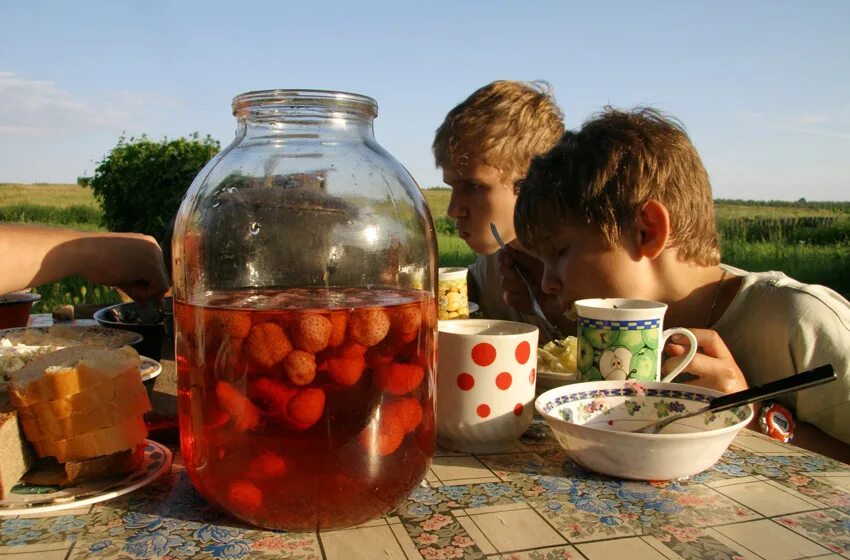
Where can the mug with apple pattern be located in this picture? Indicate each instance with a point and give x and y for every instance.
(623, 339)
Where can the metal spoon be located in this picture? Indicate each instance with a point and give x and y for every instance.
(553, 332)
(803, 380)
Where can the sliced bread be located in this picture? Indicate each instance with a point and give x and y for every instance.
(41, 424)
(114, 390)
(69, 371)
(80, 402)
(105, 441)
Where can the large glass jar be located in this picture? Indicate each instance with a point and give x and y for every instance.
(304, 273)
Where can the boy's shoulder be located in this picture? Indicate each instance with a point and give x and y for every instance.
(775, 293)
(485, 263)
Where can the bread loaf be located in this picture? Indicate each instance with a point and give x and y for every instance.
(15, 453)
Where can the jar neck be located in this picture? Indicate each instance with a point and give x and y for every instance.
(304, 114)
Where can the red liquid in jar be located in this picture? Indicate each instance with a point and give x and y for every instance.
(307, 409)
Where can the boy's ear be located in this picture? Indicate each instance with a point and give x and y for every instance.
(651, 229)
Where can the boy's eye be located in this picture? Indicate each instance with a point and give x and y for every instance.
(555, 251)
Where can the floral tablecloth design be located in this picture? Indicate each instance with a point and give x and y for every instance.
(763, 499)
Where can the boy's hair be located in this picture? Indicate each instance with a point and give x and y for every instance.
(503, 124)
(614, 164)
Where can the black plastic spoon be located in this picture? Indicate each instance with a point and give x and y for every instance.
(803, 380)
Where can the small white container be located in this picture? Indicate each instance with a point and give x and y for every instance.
(452, 294)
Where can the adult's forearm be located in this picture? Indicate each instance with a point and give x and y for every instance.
(25, 248)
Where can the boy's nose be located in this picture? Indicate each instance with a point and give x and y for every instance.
(550, 282)
(455, 209)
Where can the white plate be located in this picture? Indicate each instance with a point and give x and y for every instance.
(150, 368)
(25, 499)
(21, 345)
(90, 335)
(558, 376)
(549, 379)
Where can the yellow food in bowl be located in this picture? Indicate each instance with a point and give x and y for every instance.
(558, 359)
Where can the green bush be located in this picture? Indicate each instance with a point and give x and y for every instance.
(140, 183)
(72, 290)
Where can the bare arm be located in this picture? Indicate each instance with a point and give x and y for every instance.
(715, 368)
(37, 255)
(26, 247)
(809, 436)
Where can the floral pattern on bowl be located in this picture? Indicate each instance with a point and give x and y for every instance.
(634, 402)
(594, 424)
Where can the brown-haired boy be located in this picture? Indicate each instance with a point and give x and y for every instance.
(483, 146)
(623, 208)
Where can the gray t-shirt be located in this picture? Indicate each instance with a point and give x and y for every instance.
(776, 327)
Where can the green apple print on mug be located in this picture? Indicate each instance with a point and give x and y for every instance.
(626, 348)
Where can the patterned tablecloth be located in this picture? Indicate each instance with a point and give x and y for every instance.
(763, 499)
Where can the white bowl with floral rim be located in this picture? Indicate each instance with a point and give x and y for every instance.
(592, 421)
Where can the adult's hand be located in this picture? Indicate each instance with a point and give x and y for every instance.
(514, 291)
(36, 255)
(713, 364)
(129, 261)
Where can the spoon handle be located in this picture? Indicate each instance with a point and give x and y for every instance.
(809, 378)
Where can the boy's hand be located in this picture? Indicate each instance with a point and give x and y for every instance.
(713, 364)
(514, 291)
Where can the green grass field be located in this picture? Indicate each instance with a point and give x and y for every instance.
(438, 200)
(39, 194)
(62, 205)
(809, 241)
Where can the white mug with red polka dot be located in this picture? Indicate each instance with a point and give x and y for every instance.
(485, 383)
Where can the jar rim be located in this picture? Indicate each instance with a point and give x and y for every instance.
(305, 98)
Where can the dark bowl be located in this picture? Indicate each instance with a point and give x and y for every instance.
(15, 309)
(125, 316)
(150, 371)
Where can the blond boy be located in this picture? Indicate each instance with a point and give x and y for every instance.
(623, 208)
(483, 146)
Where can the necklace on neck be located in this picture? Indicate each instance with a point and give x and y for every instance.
(716, 298)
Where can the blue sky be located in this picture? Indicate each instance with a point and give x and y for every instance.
(763, 87)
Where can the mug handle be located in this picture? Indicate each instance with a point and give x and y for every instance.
(692, 351)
